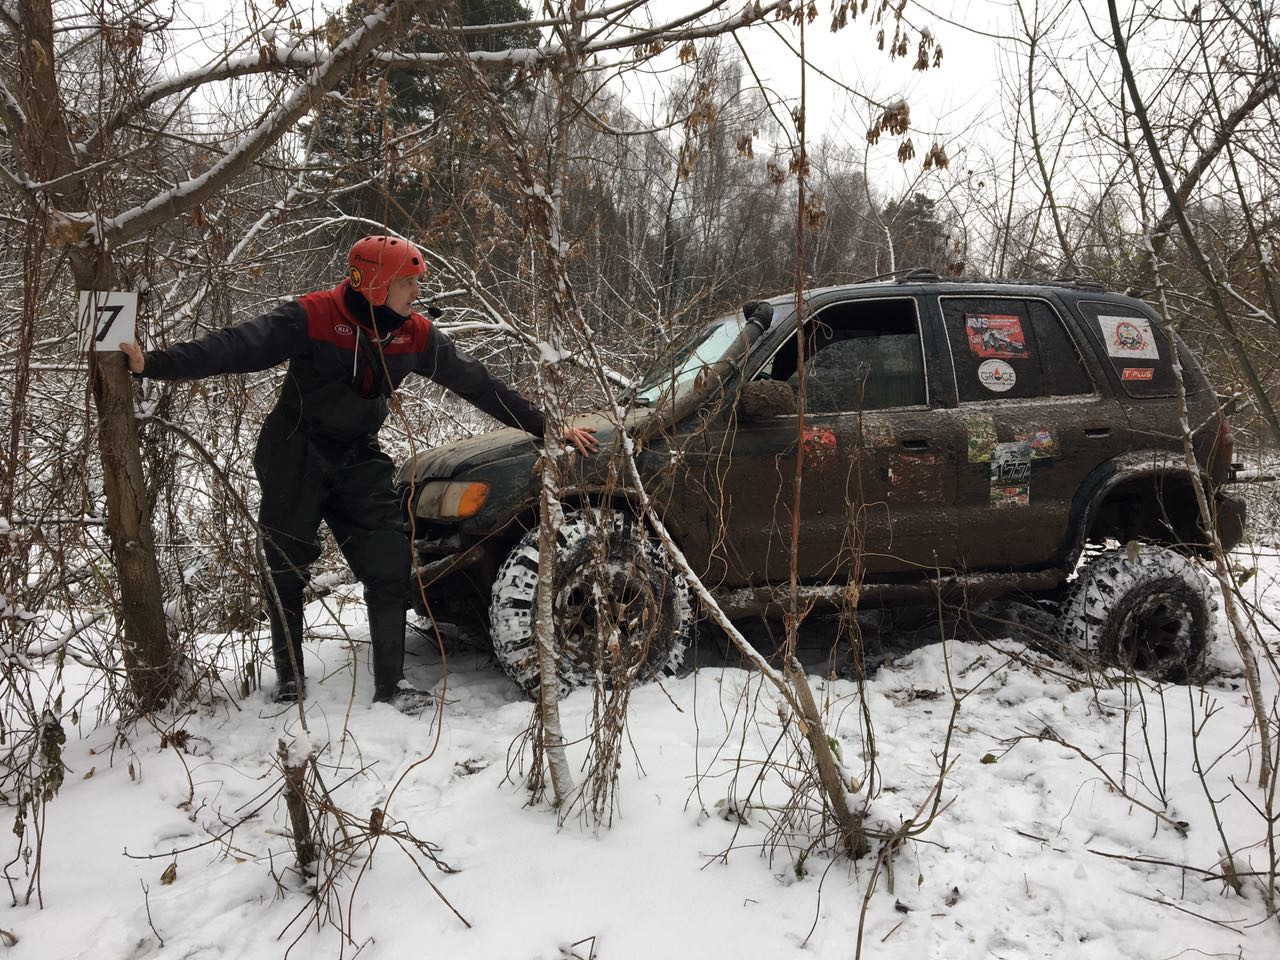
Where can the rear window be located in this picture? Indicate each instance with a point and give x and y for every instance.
(1135, 344)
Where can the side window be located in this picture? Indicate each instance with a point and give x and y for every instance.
(1136, 346)
(1009, 348)
(861, 355)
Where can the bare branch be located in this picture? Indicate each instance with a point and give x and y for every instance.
(374, 29)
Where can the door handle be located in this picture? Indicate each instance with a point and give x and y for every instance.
(916, 443)
(1097, 432)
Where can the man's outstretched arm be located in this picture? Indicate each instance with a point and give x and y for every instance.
(470, 379)
(257, 344)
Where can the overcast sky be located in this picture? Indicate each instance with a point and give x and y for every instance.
(950, 102)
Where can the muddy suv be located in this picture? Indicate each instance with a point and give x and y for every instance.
(976, 439)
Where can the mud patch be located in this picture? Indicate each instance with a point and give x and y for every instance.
(917, 476)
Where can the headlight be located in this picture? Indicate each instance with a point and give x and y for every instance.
(451, 500)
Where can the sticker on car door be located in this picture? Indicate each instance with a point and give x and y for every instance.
(981, 432)
(1011, 474)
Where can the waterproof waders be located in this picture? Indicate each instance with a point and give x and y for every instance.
(349, 487)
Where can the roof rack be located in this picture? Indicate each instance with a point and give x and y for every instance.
(925, 275)
(918, 275)
(1080, 282)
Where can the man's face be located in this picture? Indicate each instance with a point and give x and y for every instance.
(401, 294)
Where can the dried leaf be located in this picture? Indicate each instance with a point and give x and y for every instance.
(953, 897)
(170, 874)
(92, 771)
(989, 758)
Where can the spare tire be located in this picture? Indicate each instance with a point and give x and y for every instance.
(620, 608)
(1149, 610)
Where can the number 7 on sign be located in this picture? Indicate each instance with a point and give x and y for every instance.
(106, 318)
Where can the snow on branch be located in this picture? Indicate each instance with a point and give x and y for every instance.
(686, 27)
(11, 112)
(290, 58)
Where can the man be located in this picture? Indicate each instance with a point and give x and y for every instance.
(318, 457)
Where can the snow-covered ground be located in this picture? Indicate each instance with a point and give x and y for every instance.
(1033, 853)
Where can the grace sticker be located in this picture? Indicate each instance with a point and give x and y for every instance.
(996, 375)
(1129, 337)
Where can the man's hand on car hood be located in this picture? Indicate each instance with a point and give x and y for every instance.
(583, 439)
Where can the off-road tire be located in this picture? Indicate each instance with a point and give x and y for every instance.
(636, 581)
(1152, 613)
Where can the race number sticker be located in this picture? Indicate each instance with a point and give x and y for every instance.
(1011, 474)
(107, 318)
(996, 335)
(1129, 338)
(996, 375)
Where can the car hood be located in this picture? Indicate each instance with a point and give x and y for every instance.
(451, 459)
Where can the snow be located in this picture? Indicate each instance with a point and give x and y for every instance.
(552, 355)
(1033, 852)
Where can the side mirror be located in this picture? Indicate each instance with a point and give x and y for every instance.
(759, 399)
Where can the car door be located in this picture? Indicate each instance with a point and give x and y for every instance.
(876, 466)
(1035, 423)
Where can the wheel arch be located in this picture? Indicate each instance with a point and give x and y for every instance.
(1147, 495)
(624, 499)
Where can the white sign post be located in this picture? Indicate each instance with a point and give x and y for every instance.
(107, 319)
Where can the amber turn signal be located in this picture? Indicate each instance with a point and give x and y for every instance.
(451, 500)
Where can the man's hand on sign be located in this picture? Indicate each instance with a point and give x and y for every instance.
(133, 353)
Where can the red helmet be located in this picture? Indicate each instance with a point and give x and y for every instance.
(375, 261)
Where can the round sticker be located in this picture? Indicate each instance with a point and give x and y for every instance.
(356, 278)
(996, 375)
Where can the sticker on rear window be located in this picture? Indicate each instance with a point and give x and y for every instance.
(1129, 338)
(996, 375)
(1138, 373)
(996, 335)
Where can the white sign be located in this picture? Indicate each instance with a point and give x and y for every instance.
(1129, 338)
(996, 375)
(107, 319)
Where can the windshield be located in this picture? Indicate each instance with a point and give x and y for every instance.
(683, 367)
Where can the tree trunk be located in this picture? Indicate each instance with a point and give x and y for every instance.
(148, 654)
(47, 153)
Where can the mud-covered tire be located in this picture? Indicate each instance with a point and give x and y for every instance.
(610, 571)
(1151, 612)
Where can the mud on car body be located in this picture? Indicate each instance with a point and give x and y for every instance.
(973, 438)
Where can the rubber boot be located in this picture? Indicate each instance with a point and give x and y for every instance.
(386, 634)
(286, 634)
